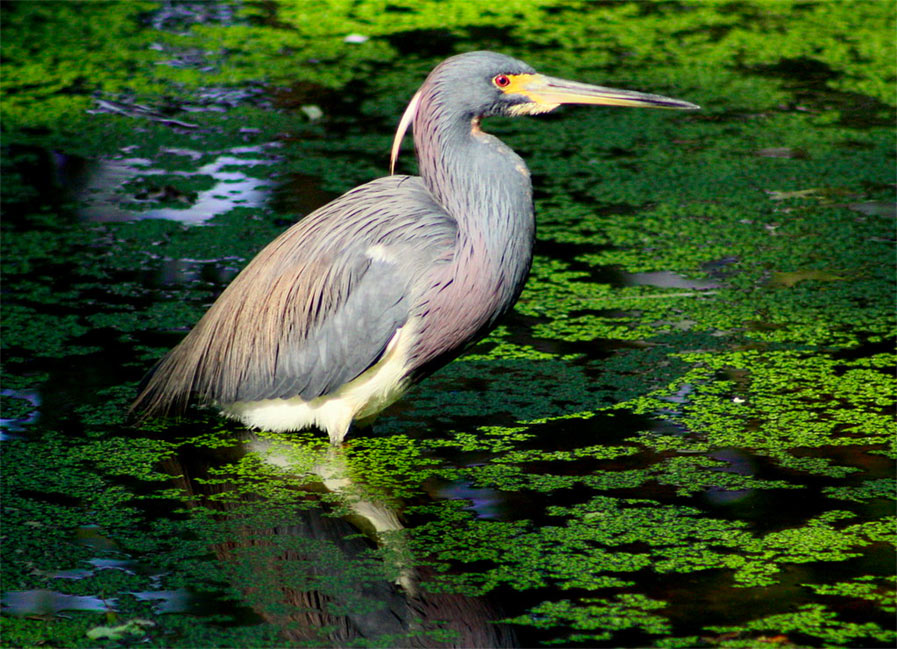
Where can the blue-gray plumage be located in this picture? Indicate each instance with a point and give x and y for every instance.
(338, 316)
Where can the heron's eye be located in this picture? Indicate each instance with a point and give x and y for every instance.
(501, 81)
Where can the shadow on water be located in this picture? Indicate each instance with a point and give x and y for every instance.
(809, 79)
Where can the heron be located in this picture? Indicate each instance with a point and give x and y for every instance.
(341, 314)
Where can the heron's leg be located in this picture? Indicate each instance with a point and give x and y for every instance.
(338, 434)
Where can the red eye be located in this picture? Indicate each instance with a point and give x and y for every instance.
(501, 81)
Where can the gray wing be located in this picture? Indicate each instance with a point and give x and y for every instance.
(344, 344)
(316, 307)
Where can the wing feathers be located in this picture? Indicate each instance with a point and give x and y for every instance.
(314, 309)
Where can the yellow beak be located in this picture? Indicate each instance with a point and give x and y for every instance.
(550, 92)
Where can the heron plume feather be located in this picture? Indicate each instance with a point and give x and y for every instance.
(404, 123)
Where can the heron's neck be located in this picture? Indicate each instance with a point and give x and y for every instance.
(482, 184)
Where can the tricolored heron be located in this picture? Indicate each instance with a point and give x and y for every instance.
(347, 309)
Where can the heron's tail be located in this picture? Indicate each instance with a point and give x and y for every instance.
(167, 388)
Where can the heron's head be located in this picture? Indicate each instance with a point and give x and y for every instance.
(488, 83)
(482, 84)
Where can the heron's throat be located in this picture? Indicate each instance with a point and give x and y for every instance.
(475, 129)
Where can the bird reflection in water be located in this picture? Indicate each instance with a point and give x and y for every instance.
(319, 577)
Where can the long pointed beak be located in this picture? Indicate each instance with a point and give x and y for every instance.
(551, 91)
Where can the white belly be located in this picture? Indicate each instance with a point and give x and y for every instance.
(378, 387)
